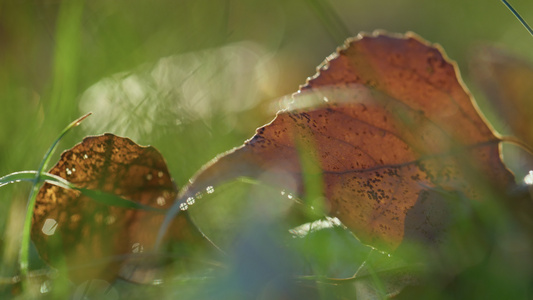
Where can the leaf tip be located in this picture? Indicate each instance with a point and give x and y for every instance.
(78, 121)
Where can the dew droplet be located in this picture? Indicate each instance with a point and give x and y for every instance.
(69, 172)
(45, 287)
(184, 206)
(85, 156)
(210, 189)
(110, 219)
(160, 174)
(529, 178)
(49, 226)
(161, 201)
(137, 248)
(75, 218)
(290, 196)
(190, 201)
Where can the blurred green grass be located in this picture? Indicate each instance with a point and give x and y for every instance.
(52, 52)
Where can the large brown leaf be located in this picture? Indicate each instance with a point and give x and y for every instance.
(392, 131)
(97, 240)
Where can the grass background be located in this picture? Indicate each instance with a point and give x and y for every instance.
(231, 62)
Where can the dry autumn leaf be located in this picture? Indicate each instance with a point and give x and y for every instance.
(393, 129)
(99, 240)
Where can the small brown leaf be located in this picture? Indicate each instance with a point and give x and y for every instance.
(393, 123)
(97, 240)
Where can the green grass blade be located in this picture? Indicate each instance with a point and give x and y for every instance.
(330, 19)
(518, 16)
(114, 200)
(99, 196)
(48, 155)
(30, 177)
(312, 179)
(18, 177)
(26, 238)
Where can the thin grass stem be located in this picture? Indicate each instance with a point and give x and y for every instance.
(37, 182)
(518, 16)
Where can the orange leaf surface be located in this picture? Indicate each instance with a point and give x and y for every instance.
(97, 239)
(390, 124)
